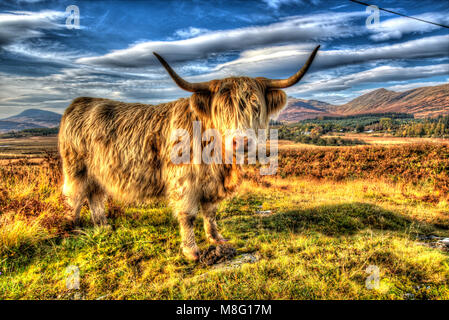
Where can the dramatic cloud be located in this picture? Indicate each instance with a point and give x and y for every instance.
(414, 85)
(256, 43)
(29, 1)
(57, 90)
(287, 59)
(395, 28)
(276, 4)
(44, 65)
(383, 74)
(190, 32)
(19, 25)
(298, 29)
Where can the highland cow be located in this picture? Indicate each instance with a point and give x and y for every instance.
(123, 149)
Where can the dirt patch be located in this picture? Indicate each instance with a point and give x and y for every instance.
(214, 255)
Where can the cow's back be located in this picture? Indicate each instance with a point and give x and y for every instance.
(121, 146)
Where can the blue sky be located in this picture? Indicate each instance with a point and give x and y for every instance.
(44, 64)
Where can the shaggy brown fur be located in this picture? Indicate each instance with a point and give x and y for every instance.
(123, 150)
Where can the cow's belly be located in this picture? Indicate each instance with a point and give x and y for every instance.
(128, 176)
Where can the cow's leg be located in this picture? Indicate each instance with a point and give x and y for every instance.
(185, 207)
(75, 191)
(76, 202)
(96, 197)
(184, 201)
(208, 211)
(186, 227)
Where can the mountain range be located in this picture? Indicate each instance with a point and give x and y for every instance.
(30, 119)
(424, 102)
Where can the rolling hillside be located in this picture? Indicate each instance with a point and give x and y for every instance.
(300, 109)
(422, 102)
(30, 119)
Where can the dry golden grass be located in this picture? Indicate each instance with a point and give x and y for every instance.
(27, 147)
(386, 139)
(314, 241)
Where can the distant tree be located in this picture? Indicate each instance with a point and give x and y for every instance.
(360, 128)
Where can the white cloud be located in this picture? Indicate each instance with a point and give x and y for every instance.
(300, 28)
(20, 25)
(276, 4)
(289, 58)
(190, 32)
(414, 85)
(263, 52)
(383, 74)
(57, 90)
(29, 1)
(257, 44)
(47, 51)
(395, 28)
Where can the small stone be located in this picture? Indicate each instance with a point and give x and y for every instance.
(264, 212)
(238, 262)
(428, 237)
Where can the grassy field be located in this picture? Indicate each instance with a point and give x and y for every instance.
(310, 232)
(27, 148)
(386, 139)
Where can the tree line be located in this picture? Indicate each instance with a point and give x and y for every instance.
(310, 131)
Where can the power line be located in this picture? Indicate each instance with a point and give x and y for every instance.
(400, 14)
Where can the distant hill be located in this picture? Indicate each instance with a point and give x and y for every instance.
(300, 109)
(6, 126)
(39, 117)
(30, 119)
(424, 102)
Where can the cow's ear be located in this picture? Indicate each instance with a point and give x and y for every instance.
(276, 100)
(200, 103)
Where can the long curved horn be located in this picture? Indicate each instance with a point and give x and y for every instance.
(285, 83)
(188, 86)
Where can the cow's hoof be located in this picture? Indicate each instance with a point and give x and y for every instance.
(72, 223)
(191, 253)
(100, 222)
(104, 226)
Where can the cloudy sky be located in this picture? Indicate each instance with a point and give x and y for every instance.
(45, 62)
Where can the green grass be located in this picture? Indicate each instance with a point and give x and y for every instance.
(316, 244)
